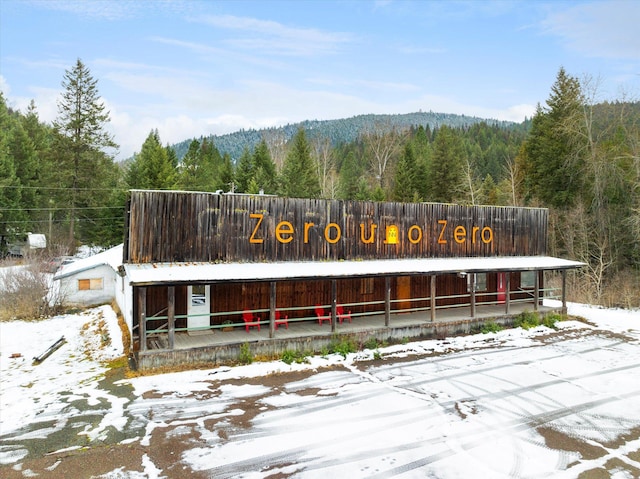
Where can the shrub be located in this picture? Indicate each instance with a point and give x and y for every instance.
(289, 356)
(527, 320)
(490, 327)
(343, 346)
(245, 356)
(371, 343)
(26, 293)
(551, 319)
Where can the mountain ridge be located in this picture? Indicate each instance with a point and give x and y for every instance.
(342, 130)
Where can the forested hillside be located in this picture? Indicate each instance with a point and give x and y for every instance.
(338, 132)
(578, 157)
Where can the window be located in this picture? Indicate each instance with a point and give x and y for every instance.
(89, 284)
(528, 279)
(199, 295)
(367, 285)
(481, 281)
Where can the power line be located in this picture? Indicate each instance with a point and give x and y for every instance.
(59, 221)
(65, 208)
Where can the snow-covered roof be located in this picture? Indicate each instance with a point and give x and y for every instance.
(111, 257)
(149, 273)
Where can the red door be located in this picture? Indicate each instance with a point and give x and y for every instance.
(502, 288)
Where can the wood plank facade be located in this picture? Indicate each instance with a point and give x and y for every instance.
(187, 228)
(197, 227)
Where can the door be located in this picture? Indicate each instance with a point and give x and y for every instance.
(502, 288)
(403, 292)
(198, 308)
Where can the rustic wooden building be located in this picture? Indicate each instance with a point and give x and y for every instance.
(280, 272)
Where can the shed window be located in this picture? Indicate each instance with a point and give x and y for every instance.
(528, 279)
(89, 284)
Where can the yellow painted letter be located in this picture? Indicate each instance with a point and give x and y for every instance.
(253, 238)
(459, 234)
(284, 228)
(338, 233)
(441, 239)
(372, 231)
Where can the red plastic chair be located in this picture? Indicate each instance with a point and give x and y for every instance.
(342, 315)
(281, 320)
(321, 315)
(250, 320)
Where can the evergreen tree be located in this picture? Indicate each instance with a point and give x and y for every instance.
(299, 174)
(244, 172)
(265, 169)
(189, 166)
(225, 178)
(552, 170)
(80, 124)
(351, 175)
(12, 216)
(152, 168)
(404, 187)
(447, 168)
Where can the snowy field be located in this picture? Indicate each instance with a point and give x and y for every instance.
(522, 404)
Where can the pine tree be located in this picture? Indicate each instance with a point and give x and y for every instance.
(447, 168)
(552, 170)
(299, 174)
(265, 169)
(80, 124)
(244, 172)
(404, 186)
(152, 168)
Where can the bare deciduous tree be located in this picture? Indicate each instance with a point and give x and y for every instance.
(382, 145)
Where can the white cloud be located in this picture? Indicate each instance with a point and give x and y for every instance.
(4, 87)
(274, 37)
(600, 29)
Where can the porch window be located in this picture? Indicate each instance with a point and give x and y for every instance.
(481, 281)
(89, 284)
(528, 279)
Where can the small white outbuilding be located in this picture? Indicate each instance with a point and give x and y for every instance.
(91, 281)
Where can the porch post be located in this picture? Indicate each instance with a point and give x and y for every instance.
(507, 298)
(472, 285)
(334, 295)
(536, 291)
(272, 308)
(171, 314)
(387, 301)
(142, 317)
(564, 291)
(433, 298)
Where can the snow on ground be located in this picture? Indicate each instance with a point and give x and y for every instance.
(485, 405)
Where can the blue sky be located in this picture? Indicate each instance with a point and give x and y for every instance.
(191, 68)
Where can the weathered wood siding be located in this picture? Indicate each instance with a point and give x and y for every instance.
(170, 226)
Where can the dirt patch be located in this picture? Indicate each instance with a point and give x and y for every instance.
(558, 440)
(79, 463)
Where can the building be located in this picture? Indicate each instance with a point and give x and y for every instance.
(91, 281)
(278, 271)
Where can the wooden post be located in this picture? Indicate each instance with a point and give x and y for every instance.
(334, 300)
(142, 317)
(508, 292)
(472, 285)
(387, 301)
(536, 291)
(171, 314)
(272, 309)
(433, 298)
(564, 291)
